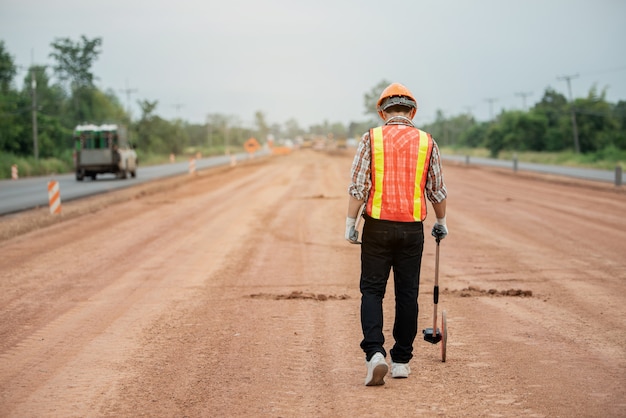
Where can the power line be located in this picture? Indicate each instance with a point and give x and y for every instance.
(606, 71)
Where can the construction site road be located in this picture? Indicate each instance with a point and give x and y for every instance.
(233, 293)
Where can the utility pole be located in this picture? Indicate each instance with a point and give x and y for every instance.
(574, 127)
(178, 106)
(128, 91)
(490, 101)
(33, 90)
(33, 86)
(523, 96)
(226, 140)
(209, 128)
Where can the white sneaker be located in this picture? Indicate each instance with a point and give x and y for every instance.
(376, 370)
(400, 370)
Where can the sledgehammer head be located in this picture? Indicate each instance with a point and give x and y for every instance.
(428, 336)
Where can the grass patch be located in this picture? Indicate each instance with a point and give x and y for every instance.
(29, 166)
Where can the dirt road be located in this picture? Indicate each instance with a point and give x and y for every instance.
(233, 293)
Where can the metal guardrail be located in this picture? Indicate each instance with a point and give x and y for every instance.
(612, 176)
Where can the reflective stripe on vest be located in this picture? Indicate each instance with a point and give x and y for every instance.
(398, 195)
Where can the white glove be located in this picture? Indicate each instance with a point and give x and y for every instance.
(440, 230)
(352, 234)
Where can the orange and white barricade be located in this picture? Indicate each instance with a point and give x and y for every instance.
(192, 166)
(54, 197)
(14, 175)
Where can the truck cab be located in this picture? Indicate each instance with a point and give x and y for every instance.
(103, 149)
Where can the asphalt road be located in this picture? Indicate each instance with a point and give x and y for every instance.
(32, 192)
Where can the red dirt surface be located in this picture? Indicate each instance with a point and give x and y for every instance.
(233, 293)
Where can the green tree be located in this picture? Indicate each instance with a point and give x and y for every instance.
(8, 70)
(107, 108)
(370, 98)
(74, 61)
(553, 105)
(619, 113)
(494, 139)
(338, 130)
(276, 130)
(146, 126)
(52, 138)
(262, 128)
(216, 130)
(12, 105)
(175, 137)
(554, 108)
(197, 135)
(292, 129)
(521, 131)
(475, 135)
(596, 124)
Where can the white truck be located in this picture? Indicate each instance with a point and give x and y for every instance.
(103, 149)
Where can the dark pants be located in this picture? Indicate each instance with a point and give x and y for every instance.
(385, 245)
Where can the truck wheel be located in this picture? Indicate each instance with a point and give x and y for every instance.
(80, 176)
(93, 176)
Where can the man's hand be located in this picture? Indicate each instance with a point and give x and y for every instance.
(440, 230)
(352, 234)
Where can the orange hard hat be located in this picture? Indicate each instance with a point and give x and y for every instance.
(396, 94)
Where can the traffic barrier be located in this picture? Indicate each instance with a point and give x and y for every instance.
(281, 151)
(14, 175)
(233, 160)
(54, 197)
(618, 175)
(192, 166)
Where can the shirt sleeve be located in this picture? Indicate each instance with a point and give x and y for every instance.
(360, 183)
(435, 189)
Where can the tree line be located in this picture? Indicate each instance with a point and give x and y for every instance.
(38, 119)
(587, 125)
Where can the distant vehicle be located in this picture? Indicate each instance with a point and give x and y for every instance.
(103, 149)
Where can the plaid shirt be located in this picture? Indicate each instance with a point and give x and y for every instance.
(361, 180)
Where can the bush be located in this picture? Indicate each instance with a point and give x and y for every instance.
(28, 166)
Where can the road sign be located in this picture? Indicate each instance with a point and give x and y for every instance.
(252, 145)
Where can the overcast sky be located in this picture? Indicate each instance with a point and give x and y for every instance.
(315, 60)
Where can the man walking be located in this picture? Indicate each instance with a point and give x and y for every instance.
(396, 167)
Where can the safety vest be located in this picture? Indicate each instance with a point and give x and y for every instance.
(399, 170)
